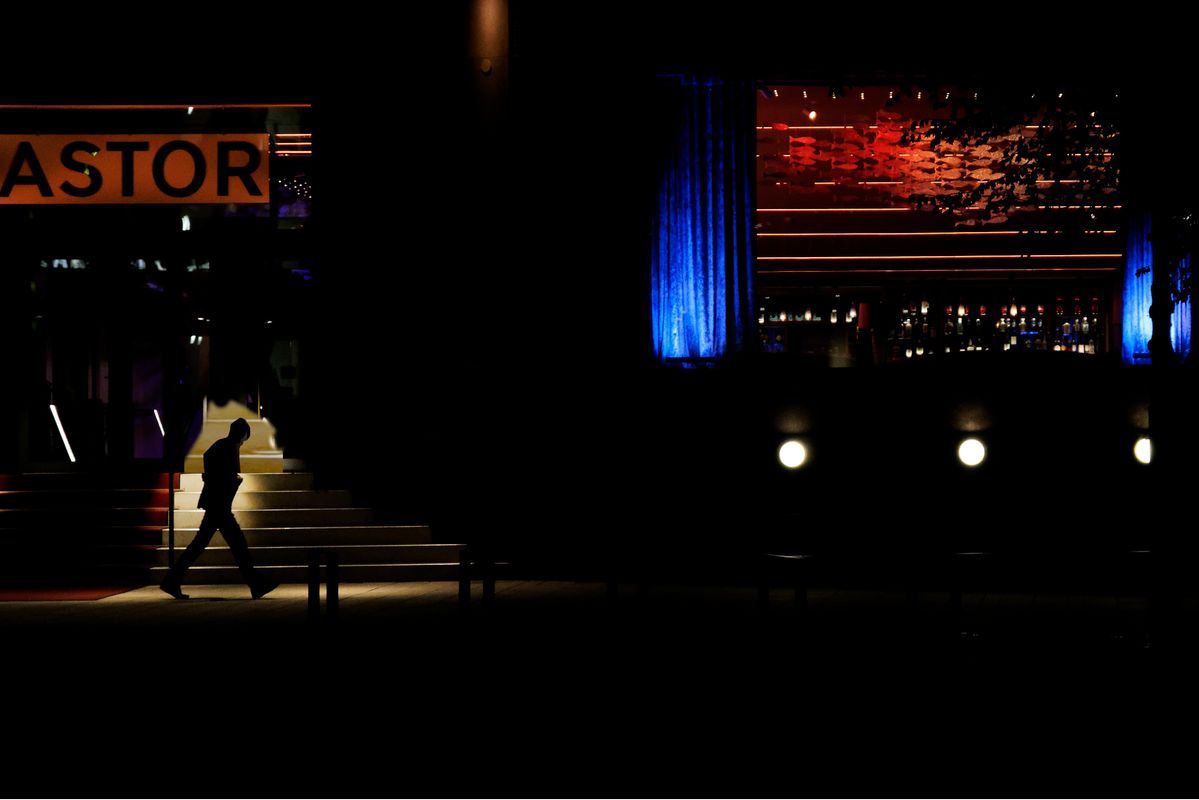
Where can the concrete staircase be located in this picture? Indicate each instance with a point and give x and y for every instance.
(258, 454)
(80, 529)
(283, 517)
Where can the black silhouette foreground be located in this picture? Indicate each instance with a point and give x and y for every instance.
(222, 463)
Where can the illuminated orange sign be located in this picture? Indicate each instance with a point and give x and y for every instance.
(155, 168)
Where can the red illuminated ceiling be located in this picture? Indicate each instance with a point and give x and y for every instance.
(833, 195)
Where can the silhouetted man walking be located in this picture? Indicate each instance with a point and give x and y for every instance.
(222, 463)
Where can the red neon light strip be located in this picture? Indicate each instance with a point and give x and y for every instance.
(812, 127)
(932, 233)
(1038, 270)
(935, 258)
(848, 210)
(148, 106)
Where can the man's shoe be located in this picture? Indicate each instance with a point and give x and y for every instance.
(174, 590)
(263, 589)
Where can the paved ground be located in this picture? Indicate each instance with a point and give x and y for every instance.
(553, 691)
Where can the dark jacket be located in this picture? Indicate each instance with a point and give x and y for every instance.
(221, 465)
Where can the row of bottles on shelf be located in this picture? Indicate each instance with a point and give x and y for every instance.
(835, 315)
(1015, 327)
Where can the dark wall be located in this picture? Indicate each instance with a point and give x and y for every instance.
(481, 356)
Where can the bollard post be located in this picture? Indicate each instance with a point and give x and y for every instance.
(314, 585)
(331, 598)
(488, 578)
(464, 557)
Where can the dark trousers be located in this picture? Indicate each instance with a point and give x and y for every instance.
(223, 519)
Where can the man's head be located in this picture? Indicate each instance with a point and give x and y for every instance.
(239, 430)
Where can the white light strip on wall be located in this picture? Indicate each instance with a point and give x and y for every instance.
(62, 433)
(159, 420)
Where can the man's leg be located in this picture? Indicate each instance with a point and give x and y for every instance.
(236, 540)
(174, 579)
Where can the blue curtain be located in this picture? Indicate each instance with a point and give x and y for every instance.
(1137, 299)
(702, 269)
(1180, 330)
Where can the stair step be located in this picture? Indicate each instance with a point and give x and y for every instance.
(284, 499)
(261, 432)
(82, 480)
(349, 554)
(229, 412)
(311, 536)
(95, 552)
(255, 482)
(41, 519)
(281, 517)
(250, 462)
(79, 497)
(76, 536)
(347, 573)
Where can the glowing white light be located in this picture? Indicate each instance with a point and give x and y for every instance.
(187, 222)
(971, 452)
(792, 454)
(1143, 450)
(812, 115)
(161, 429)
(190, 109)
(62, 433)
